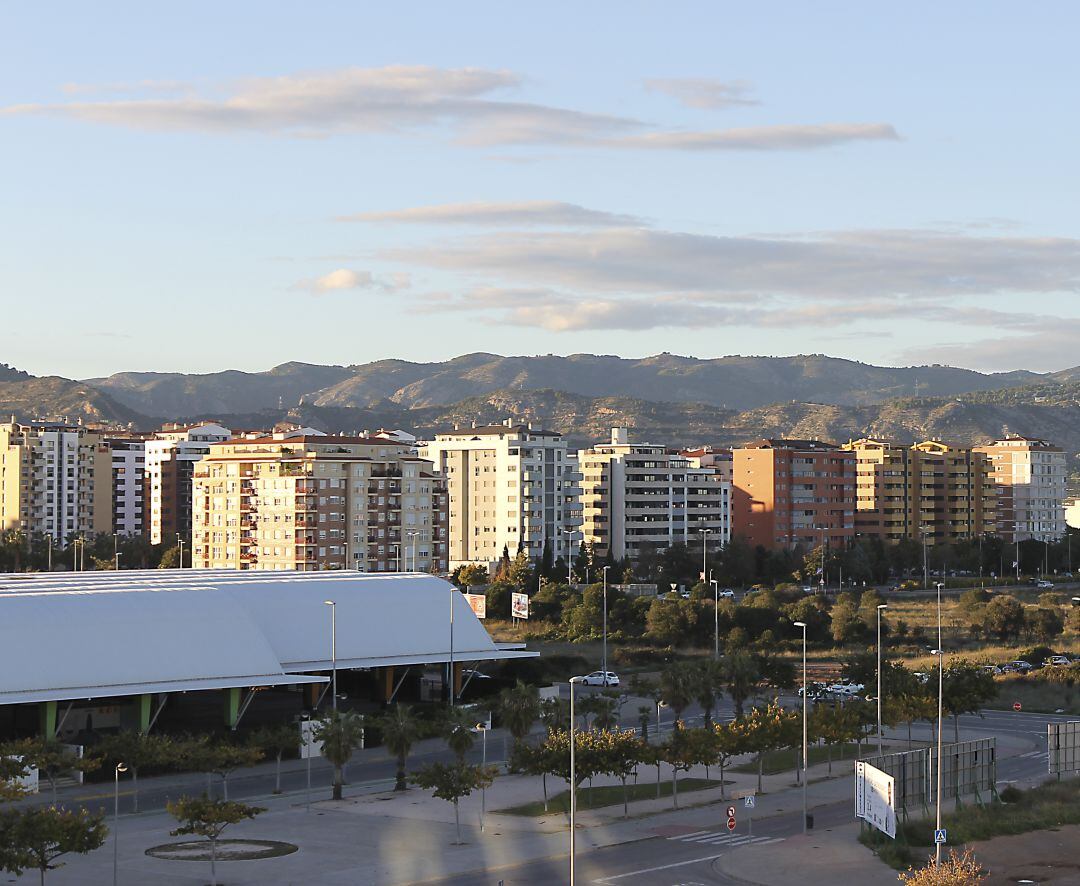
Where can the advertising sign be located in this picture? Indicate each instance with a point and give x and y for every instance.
(478, 604)
(519, 605)
(309, 747)
(874, 801)
(1063, 745)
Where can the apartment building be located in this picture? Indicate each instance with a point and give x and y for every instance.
(636, 496)
(1030, 476)
(318, 503)
(793, 492)
(128, 483)
(55, 479)
(928, 490)
(511, 486)
(170, 458)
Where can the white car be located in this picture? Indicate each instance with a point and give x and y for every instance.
(846, 689)
(1044, 584)
(1059, 661)
(727, 592)
(599, 678)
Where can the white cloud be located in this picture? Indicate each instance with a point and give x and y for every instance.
(463, 104)
(761, 138)
(346, 278)
(524, 213)
(703, 92)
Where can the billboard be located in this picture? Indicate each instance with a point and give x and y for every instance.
(1063, 746)
(969, 767)
(478, 604)
(875, 798)
(519, 605)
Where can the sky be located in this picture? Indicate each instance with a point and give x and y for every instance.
(205, 186)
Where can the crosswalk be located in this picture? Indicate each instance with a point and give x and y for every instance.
(1030, 755)
(723, 838)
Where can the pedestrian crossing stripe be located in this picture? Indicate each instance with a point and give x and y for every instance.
(716, 838)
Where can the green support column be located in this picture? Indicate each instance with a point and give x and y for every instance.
(47, 718)
(144, 712)
(232, 707)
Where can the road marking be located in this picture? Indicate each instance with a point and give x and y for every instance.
(663, 867)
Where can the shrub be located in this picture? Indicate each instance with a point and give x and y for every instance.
(956, 870)
(1011, 794)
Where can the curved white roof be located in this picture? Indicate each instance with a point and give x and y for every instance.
(95, 634)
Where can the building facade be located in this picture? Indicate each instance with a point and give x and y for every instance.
(636, 496)
(128, 484)
(318, 503)
(511, 487)
(170, 458)
(929, 491)
(1031, 477)
(55, 479)
(793, 492)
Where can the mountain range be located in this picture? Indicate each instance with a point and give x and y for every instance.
(665, 398)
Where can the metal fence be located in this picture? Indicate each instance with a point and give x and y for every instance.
(969, 768)
(1063, 746)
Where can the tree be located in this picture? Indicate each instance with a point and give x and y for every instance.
(1004, 618)
(956, 870)
(219, 758)
(519, 708)
(137, 750)
(1044, 624)
(36, 838)
(678, 686)
(847, 626)
(740, 674)
(726, 745)
(49, 757)
(11, 769)
(965, 689)
(762, 730)
(620, 752)
(170, 559)
(471, 574)
(341, 732)
(276, 741)
(452, 781)
(459, 730)
(708, 685)
(208, 818)
(400, 731)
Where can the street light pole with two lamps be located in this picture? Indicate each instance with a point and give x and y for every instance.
(805, 697)
(573, 779)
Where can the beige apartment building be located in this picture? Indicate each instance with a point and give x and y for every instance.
(317, 503)
(636, 496)
(55, 479)
(929, 490)
(1030, 476)
(512, 487)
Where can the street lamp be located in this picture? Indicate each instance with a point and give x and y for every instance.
(333, 649)
(940, 653)
(606, 568)
(483, 728)
(180, 546)
(716, 618)
(569, 533)
(805, 696)
(879, 735)
(704, 554)
(120, 767)
(923, 530)
(573, 778)
(412, 534)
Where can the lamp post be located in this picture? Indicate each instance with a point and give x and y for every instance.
(569, 533)
(117, 556)
(573, 779)
(805, 695)
(925, 559)
(880, 737)
(120, 767)
(483, 728)
(413, 533)
(333, 650)
(180, 546)
(716, 618)
(940, 653)
(704, 554)
(49, 537)
(606, 568)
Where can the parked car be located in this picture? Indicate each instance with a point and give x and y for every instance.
(1019, 666)
(476, 675)
(1059, 661)
(600, 678)
(727, 592)
(847, 690)
(807, 589)
(922, 677)
(1044, 584)
(991, 669)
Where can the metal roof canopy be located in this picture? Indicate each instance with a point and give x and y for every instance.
(98, 634)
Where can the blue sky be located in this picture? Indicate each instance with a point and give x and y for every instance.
(237, 185)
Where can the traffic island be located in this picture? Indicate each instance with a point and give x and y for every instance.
(227, 850)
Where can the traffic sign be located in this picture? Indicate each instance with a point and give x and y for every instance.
(748, 801)
(731, 812)
(939, 836)
(1017, 706)
(731, 823)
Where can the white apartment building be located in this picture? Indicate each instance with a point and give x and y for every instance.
(54, 479)
(639, 495)
(128, 459)
(170, 459)
(511, 486)
(1030, 476)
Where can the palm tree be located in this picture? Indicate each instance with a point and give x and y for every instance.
(606, 713)
(459, 728)
(400, 730)
(710, 683)
(519, 709)
(677, 685)
(740, 673)
(341, 732)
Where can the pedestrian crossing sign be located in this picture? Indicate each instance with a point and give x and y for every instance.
(748, 801)
(939, 836)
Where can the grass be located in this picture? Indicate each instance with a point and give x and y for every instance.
(610, 795)
(783, 760)
(1047, 806)
(1038, 695)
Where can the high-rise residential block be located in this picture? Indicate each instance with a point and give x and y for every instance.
(128, 483)
(929, 491)
(793, 492)
(1031, 477)
(639, 496)
(55, 479)
(512, 487)
(314, 503)
(171, 455)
